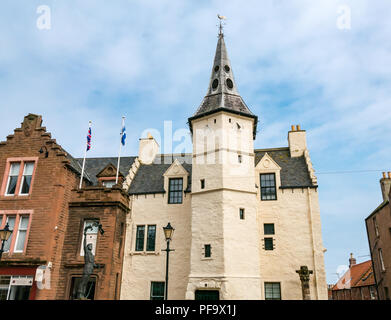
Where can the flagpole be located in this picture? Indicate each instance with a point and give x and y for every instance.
(120, 147)
(84, 160)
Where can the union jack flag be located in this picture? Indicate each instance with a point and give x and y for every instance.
(89, 138)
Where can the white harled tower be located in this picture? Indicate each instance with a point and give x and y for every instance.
(223, 205)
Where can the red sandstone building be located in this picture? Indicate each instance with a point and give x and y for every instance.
(378, 225)
(39, 200)
(357, 283)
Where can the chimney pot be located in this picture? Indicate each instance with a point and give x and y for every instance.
(384, 175)
(352, 261)
(293, 127)
(389, 175)
(298, 127)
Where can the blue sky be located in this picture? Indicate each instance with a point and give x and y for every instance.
(151, 61)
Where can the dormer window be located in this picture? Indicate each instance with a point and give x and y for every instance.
(108, 183)
(175, 190)
(268, 186)
(107, 176)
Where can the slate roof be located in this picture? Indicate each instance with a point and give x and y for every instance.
(231, 103)
(294, 171)
(149, 178)
(381, 206)
(94, 165)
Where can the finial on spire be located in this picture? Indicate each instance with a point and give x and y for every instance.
(221, 18)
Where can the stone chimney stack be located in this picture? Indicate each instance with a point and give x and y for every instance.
(297, 141)
(148, 149)
(352, 261)
(385, 184)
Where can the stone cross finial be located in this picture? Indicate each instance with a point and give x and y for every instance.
(304, 274)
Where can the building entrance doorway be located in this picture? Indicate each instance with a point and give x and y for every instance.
(207, 295)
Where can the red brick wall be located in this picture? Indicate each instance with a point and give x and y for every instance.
(49, 197)
(355, 293)
(383, 241)
(110, 206)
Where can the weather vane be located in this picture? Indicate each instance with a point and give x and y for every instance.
(221, 18)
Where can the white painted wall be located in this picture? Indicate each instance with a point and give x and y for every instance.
(239, 265)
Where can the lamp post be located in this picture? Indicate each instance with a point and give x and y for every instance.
(168, 232)
(4, 236)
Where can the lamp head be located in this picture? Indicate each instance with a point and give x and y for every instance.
(5, 233)
(168, 231)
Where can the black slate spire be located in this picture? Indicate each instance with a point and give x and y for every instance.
(222, 94)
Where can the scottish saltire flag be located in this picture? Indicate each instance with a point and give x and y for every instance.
(89, 138)
(123, 135)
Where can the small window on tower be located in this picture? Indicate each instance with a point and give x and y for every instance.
(215, 121)
(268, 243)
(229, 120)
(241, 213)
(217, 68)
(268, 228)
(230, 84)
(208, 251)
(240, 158)
(215, 84)
(202, 183)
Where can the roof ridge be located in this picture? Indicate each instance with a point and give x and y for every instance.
(357, 264)
(272, 149)
(106, 157)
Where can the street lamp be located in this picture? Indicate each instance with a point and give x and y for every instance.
(4, 236)
(168, 232)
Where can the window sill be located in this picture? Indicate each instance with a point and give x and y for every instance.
(13, 254)
(206, 259)
(17, 197)
(144, 253)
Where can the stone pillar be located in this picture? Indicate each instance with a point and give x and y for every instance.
(304, 274)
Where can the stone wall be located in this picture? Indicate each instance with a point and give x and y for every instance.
(109, 206)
